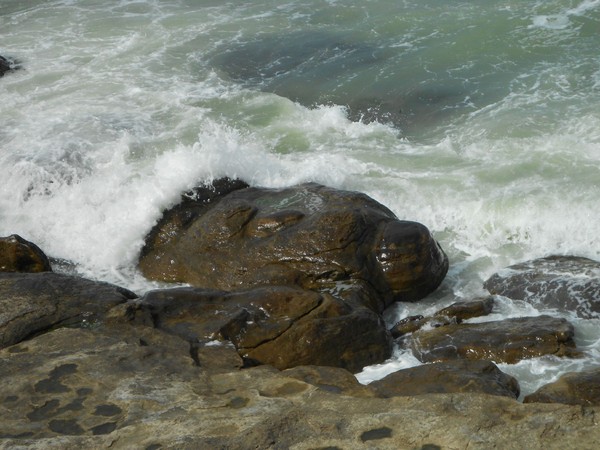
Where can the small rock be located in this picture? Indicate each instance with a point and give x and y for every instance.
(448, 377)
(505, 341)
(20, 255)
(576, 388)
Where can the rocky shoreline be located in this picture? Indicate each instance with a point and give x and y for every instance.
(285, 300)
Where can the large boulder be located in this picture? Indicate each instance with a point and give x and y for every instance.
(32, 303)
(448, 377)
(502, 341)
(277, 325)
(575, 388)
(309, 235)
(566, 283)
(20, 255)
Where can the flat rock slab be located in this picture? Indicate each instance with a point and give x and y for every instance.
(577, 388)
(32, 303)
(124, 388)
(504, 341)
(566, 283)
(447, 377)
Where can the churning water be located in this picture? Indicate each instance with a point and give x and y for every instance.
(479, 119)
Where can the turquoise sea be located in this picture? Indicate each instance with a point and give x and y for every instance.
(479, 119)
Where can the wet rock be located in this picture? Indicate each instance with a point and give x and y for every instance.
(576, 388)
(448, 377)
(20, 255)
(461, 311)
(504, 341)
(32, 303)
(455, 313)
(276, 325)
(565, 283)
(7, 65)
(310, 236)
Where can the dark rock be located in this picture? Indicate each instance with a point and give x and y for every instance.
(576, 388)
(280, 326)
(461, 311)
(565, 283)
(505, 341)
(448, 377)
(7, 65)
(19, 255)
(309, 236)
(408, 325)
(32, 303)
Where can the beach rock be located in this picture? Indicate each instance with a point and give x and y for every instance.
(575, 388)
(33, 303)
(565, 283)
(455, 313)
(504, 341)
(447, 377)
(461, 311)
(128, 387)
(330, 379)
(19, 255)
(276, 325)
(309, 235)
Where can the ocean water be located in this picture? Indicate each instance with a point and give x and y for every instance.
(480, 120)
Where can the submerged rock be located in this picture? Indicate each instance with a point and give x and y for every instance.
(20, 255)
(276, 325)
(309, 236)
(7, 65)
(566, 283)
(503, 341)
(576, 388)
(448, 377)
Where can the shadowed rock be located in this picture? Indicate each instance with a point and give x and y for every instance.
(577, 388)
(448, 377)
(309, 236)
(565, 283)
(7, 65)
(505, 341)
(19, 255)
(32, 303)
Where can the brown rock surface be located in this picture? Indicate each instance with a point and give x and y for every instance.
(576, 388)
(506, 341)
(308, 235)
(276, 325)
(137, 387)
(20, 255)
(448, 377)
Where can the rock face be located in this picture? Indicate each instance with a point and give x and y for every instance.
(505, 341)
(566, 283)
(124, 387)
(448, 377)
(309, 236)
(19, 255)
(577, 388)
(276, 325)
(35, 302)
